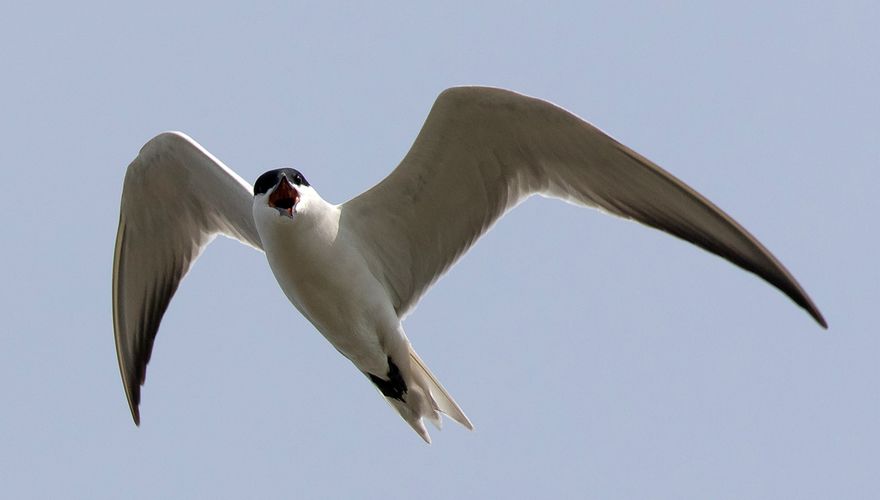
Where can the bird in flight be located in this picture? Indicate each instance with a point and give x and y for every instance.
(355, 270)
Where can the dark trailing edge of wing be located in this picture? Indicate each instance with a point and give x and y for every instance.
(156, 303)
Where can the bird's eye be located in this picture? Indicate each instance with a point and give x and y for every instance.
(300, 180)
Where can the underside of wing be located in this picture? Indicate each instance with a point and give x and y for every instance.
(483, 150)
(176, 198)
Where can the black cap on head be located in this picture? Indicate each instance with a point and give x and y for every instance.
(271, 179)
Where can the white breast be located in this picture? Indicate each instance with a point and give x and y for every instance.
(322, 273)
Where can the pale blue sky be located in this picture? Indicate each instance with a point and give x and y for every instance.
(596, 358)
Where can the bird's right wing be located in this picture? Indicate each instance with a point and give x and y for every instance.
(483, 150)
(176, 198)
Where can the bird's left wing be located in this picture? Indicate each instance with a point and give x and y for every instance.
(483, 150)
(176, 198)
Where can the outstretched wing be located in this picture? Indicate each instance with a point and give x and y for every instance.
(483, 150)
(176, 198)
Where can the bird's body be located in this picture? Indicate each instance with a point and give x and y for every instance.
(355, 270)
(339, 295)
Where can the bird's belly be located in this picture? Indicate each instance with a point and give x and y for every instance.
(344, 302)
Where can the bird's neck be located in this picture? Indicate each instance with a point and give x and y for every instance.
(314, 228)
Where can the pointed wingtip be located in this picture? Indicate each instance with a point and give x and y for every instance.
(804, 300)
(819, 318)
(132, 396)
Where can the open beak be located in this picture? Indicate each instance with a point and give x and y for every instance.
(284, 198)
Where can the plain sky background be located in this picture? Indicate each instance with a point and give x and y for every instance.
(597, 358)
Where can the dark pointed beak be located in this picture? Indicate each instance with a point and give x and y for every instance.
(284, 198)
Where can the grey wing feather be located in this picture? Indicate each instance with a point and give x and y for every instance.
(176, 198)
(483, 150)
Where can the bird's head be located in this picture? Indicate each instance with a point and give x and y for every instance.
(283, 193)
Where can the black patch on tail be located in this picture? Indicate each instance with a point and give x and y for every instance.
(394, 387)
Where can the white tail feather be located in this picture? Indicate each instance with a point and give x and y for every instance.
(425, 398)
(443, 401)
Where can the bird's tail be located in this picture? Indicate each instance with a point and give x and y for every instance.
(427, 398)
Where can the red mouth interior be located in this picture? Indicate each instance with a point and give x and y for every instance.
(285, 197)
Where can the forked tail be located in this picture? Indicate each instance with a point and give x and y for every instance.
(442, 400)
(420, 397)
